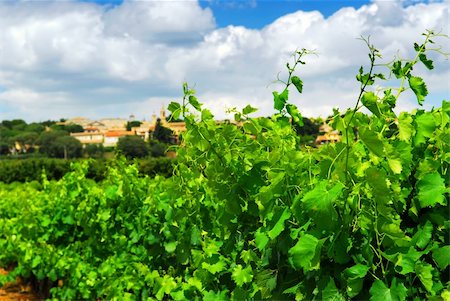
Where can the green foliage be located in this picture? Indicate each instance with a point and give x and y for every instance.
(249, 215)
(94, 150)
(31, 169)
(24, 170)
(161, 133)
(66, 147)
(157, 149)
(133, 147)
(70, 128)
(47, 140)
(134, 123)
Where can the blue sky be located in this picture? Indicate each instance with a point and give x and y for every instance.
(257, 14)
(113, 58)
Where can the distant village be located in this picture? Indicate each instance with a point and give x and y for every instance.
(108, 131)
(77, 136)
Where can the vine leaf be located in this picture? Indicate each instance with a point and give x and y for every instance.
(298, 83)
(195, 103)
(370, 101)
(405, 128)
(423, 236)
(425, 125)
(371, 140)
(424, 271)
(319, 203)
(426, 61)
(306, 253)
(261, 239)
(280, 99)
(279, 225)
(215, 267)
(380, 292)
(331, 293)
(355, 278)
(295, 114)
(175, 109)
(242, 276)
(431, 190)
(419, 88)
(248, 110)
(442, 257)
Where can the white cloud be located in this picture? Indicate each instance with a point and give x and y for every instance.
(61, 59)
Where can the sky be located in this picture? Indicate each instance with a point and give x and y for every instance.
(113, 58)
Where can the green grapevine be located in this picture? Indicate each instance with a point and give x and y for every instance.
(250, 215)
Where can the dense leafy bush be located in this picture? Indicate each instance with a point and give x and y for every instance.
(133, 147)
(248, 215)
(24, 170)
(31, 169)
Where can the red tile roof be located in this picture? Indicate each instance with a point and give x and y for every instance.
(118, 133)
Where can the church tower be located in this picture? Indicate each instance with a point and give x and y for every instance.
(162, 115)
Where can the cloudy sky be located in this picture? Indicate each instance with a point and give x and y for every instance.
(114, 58)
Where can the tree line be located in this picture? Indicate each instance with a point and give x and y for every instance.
(52, 139)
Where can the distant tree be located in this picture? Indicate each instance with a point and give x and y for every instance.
(71, 128)
(35, 127)
(310, 127)
(161, 133)
(94, 150)
(133, 147)
(47, 140)
(27, 141)
(14, 123)
(74, 128)
(4, 147)
(67, 147)
(48, 123)
(157, 149)
(134, 123)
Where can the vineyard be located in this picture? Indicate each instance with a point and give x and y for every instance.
(248, 214)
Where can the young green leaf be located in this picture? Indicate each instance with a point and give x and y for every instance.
(331, 293)
(355, 277)
(279, 226)
(248, 110)
(397, 69)
(442, 257)
(427, 62)
(423, 235)
(370, 101)
(372, 141)
(175, 109)
(214, 268)
(261, 239)
(298, 83)
(295, 114)
(280, 99)
(419, 88)
(425, 125)
(424, 271)
(195, 103)
(242, 276)
(301, 255)
(380, 292)
(431, 190)
(405, 128)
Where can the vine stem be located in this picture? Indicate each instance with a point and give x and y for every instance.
(414, 61)
(372, 56)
